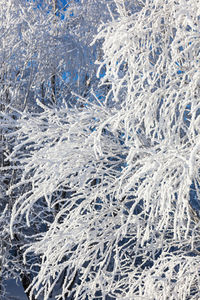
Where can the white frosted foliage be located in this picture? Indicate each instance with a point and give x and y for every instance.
(117, 175)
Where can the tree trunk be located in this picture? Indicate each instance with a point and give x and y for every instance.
(53, 78)
(25, 279)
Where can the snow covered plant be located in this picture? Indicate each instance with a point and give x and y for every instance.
(44, 50)
(120, 179)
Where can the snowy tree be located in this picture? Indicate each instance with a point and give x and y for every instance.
(42, 40)
(116, 182)
(43, 55)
